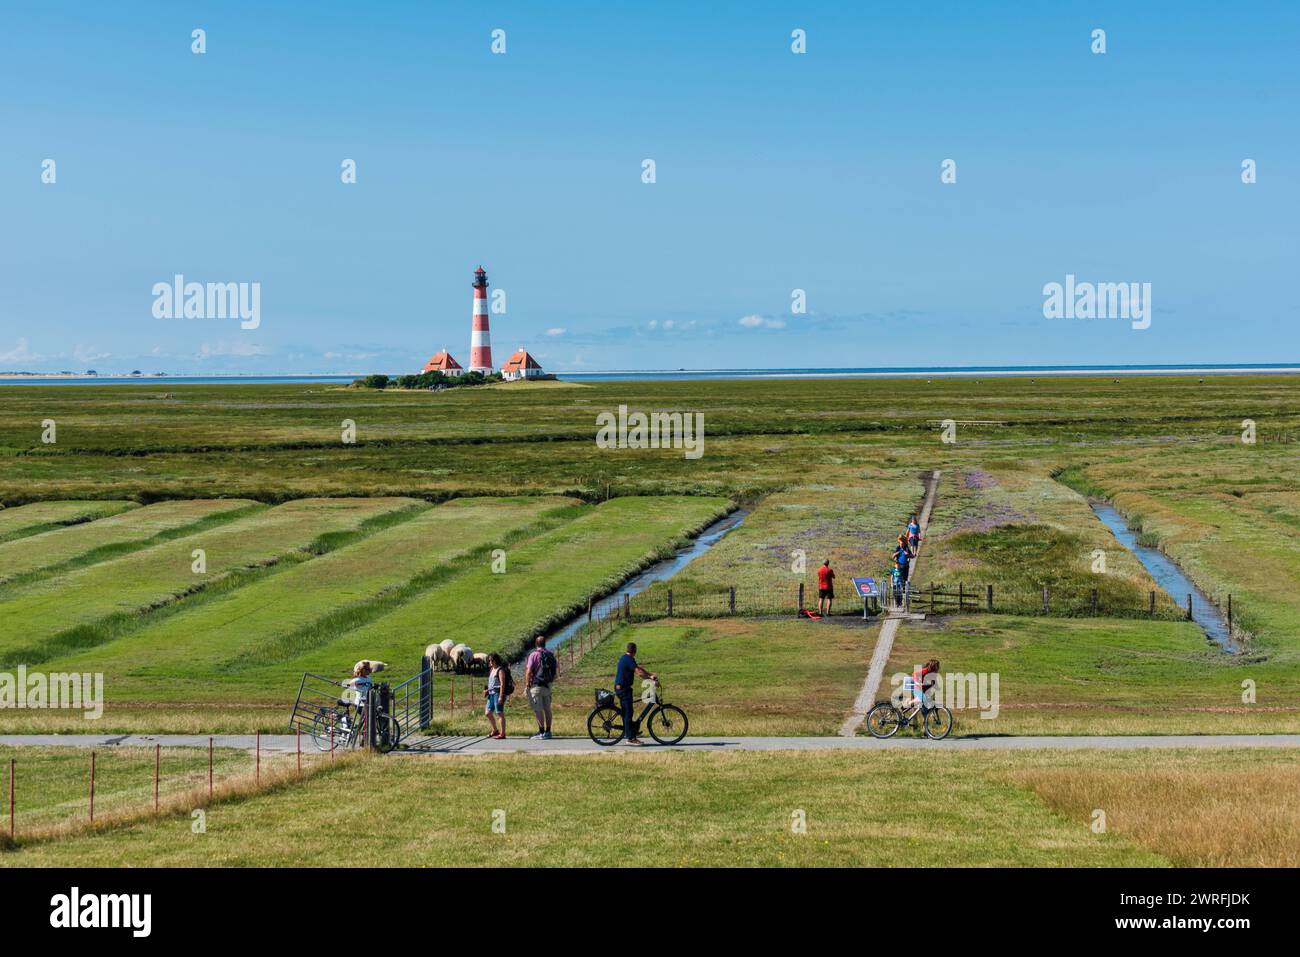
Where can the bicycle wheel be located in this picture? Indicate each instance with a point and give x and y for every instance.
(883, 721)
(938, 722)
(321, 726)
(668, 724)
(386, 722)
(605, 725)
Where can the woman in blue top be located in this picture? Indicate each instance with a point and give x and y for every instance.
(496, 695)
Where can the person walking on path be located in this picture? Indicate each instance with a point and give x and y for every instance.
(913, 534)
(498, 688)
(539, 672)
(624, 675)
(825, 588)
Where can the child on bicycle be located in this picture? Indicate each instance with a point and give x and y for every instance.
(921, 681)
(361, 682)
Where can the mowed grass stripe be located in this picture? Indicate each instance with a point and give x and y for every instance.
(110, 536)
(194, 641)
(24, 520)
(133, 584)
(547, 579)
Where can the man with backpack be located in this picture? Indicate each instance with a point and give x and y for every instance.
(539, 672)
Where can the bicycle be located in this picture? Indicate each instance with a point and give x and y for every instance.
(343, 723)
(885, 718)
(667, 723)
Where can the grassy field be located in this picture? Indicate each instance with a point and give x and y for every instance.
(46, 516)
(87, 606)
(734, 676)
(52, 785)
(231, 659)
(90, 542)
(999, 808)
(1076, 676)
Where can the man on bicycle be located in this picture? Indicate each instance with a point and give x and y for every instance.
(624, 677)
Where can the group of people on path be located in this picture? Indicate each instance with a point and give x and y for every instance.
(905, 554)
(903, 557)
(540, 670)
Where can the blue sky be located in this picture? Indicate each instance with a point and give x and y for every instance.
(775, 171)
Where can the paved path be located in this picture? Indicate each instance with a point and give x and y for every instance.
(885, 640)
(479, 745)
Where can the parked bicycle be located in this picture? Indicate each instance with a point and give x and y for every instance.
(343, 724)
(666, 723)
(885, 719)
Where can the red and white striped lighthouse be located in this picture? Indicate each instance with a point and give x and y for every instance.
(480, 343)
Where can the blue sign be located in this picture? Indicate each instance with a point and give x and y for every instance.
(866, 587)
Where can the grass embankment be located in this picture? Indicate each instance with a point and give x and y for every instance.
(199, 652)
(1229, 514)
(91, 542)
(46, 516)
(732, 676)
(1023, 532)
(673, 808)
(1077, 676)
(853, 522)
(547, 580)
(231, 659)
(88, 606)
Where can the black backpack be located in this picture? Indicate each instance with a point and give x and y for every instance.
(546, 669)
(507, 681)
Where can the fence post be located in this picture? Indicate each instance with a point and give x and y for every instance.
(92, 787)
(157, 769)
(298, 743)
(589, 611)
(731, 602)
(990, 588)
(1152, 611)
(627, 605)
(670, 603)
(12, 762)
(1094, 603)
(1230, 613)
(1189, 606)
(426, 691)
(257, 767)
(210, 768)
(1045, 600)
(961, 598)
(800, 597)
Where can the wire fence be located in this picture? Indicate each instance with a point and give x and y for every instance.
(45, 796)
(932, 598)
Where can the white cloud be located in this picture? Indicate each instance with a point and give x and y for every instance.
(211, 349)
(557, 331)
(19, 353)
(761, 322)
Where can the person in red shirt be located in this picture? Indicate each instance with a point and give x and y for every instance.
(825, 588)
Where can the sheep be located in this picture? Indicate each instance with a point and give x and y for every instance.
(375, 666)
(461, 656)
(480, 664)
(447, 644)
(438, 657)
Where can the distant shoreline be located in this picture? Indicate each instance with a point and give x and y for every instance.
(915, 372)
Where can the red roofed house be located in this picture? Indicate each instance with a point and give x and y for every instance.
(444, 363)
(521, 365)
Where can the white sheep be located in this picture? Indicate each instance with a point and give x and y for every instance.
(461, 656)
(439, 659)
(375, 666)
(480, 665)
(447, 644)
